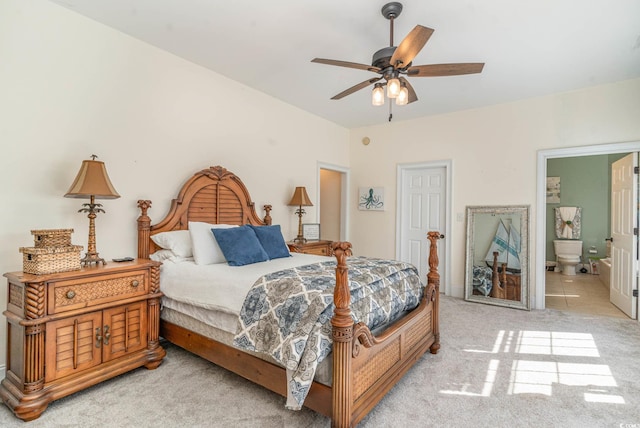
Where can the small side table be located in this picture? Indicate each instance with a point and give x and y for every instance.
(71, 330)
(320, 248)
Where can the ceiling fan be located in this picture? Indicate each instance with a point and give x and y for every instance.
(394, 63)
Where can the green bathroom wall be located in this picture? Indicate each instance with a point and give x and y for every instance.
(585, 182)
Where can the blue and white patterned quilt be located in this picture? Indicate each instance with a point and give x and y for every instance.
(287, 314)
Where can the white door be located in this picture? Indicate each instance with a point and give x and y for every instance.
(422, 209)
(624, 245)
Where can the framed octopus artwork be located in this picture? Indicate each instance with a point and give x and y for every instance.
(371, 198)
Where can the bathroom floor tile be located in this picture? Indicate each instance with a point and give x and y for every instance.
(556, 302)
(582, 293)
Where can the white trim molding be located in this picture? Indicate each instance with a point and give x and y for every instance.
(537, 300)
(447, 164)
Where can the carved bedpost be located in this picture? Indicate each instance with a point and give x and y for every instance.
(342, 333)
(144, 229)
(498, 288)
(267, 216)
(156, 352)
(433, 280)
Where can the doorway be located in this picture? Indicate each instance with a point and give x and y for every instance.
(542, 214)
(424, 204)
(333, 202)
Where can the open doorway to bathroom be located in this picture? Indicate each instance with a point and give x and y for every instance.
(584, 176)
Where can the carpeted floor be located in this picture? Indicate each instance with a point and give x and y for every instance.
(497, 367)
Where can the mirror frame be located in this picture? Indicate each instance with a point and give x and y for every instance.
(509, 210)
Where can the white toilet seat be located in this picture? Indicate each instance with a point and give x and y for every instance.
(568, 263)
(563, 258)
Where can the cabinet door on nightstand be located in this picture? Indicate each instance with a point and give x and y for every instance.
(126, 327)
(71, 345)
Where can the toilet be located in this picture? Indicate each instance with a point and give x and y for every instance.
(568, 254)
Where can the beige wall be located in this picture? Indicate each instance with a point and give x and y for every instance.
(494, 154)
(71, 88)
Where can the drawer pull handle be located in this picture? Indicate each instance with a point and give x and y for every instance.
(98, 337)
(135, 283)
(71, 294)
(107, 335)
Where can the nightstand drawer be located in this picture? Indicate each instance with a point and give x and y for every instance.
(320, 251)
(320, 248)
(75, 294)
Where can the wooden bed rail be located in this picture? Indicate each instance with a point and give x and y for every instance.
(344, 342)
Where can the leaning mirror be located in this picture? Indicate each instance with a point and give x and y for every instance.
(498, 255)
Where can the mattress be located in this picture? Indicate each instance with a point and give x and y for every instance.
(207, 299)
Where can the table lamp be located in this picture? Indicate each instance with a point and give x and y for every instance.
(300, 199)
(92, 182)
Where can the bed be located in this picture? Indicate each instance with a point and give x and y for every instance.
(363, 366)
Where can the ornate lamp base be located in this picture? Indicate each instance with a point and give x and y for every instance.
(92, 255)
(91, 258)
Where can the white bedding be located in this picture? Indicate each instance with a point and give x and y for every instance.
(214, 293)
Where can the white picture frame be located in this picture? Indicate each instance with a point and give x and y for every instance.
(311, 231)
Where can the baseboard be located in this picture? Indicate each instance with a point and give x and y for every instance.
(3, 369)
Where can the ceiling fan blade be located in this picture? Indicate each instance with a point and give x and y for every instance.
(410, 46)
(457, 69)
(355, 88)
(412, 93)
(346, 64)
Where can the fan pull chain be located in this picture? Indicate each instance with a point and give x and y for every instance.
(390, 114)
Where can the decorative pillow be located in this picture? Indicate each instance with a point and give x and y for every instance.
(162, 255)
(240, 246)
(178, 241)
(206, 250)
(271, 239)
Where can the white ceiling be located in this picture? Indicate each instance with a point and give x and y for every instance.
(530, 48)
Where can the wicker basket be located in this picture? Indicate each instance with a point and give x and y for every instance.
(45, 238)
(50, 260)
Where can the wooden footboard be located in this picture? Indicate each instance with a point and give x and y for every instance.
(366, 367)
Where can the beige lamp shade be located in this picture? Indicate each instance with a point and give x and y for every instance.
(300, 198)
(92, 180)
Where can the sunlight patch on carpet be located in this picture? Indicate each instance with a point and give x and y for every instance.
(557, 343)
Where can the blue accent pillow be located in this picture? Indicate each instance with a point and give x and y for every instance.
(240, 245)
(272, 241)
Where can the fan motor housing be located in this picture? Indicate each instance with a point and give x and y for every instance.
(382, 57)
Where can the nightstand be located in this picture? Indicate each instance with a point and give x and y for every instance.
(321, 248)
(71, 330)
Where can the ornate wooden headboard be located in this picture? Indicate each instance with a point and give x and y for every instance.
(213, 195)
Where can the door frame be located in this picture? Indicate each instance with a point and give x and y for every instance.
(541, 201)
(344, 197)
(444, 270)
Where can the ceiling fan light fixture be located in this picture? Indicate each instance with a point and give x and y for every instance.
(377, 96)
(394, 64)
(403, 96)
(393, 87)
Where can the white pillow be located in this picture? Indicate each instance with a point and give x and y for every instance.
(206, 250)
(168, 256)
(178, 241)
